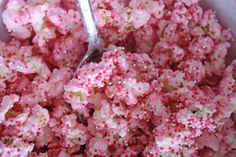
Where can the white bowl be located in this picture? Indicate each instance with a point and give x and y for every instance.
(3, 35)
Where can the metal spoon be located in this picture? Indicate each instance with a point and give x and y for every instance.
(95, 47)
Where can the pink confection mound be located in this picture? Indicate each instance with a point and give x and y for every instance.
(162, 90)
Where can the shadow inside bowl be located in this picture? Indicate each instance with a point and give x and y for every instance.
(4, 35)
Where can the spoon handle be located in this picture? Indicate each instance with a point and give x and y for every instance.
(89, 24)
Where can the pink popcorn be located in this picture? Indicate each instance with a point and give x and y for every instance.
(145, 39)
(67, 45)
(201, 46)
(32, 65)
(45, 137)
(179, 15)
(70, 132)
(139, 18)
(58, 17)
(157, 106)
(200, 120)
(5, 71)
(169, 32)
(163, 88)
(189, 2)
(103, 17)
(98, 146)
(57, 80)
(177, 54)
(215, 29)
(13, 146)
(193, 69)
(171, 139)
(197, 31)
(6, 104)
(157, 9)
(38, 119)
(208, 17)
(17, 18)
(116, 126)
(94, 76)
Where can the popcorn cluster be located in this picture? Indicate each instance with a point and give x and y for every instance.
(162, 90)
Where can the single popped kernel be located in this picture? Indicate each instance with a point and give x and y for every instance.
(13, 146)
(36, 121)
(70, 132)
(98, 146)
(6, 104)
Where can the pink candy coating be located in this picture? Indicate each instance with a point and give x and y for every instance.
(162, 89)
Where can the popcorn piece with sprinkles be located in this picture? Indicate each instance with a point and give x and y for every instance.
(13, 146)
(163, 87)
(6, 104)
